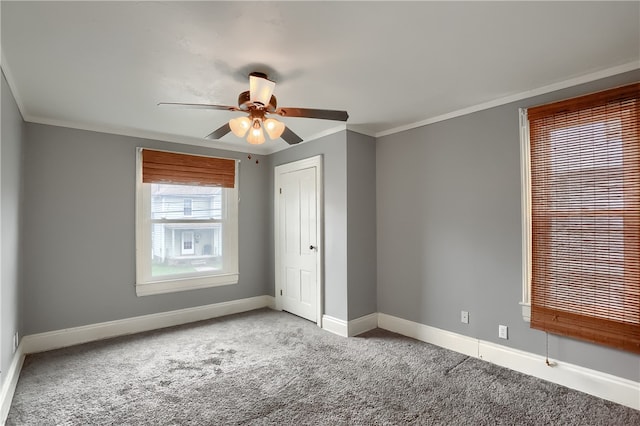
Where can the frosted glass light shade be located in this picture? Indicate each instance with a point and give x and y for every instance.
(260, 89)
(240, 125)
(256, 135)
(274, 128)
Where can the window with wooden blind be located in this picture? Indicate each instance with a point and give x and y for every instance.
(186, 222)
(583, 236)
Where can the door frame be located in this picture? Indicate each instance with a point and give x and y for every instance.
(294, 166)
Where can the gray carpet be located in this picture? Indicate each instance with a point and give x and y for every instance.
(267, 367)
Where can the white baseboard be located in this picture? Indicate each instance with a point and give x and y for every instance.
(597, 383)
(363, 324)
(350, 328)
(603, 385)
(335, 326)
(446, 339)
(593, 382)
(9, 383)
(271, 304)
(89, 333)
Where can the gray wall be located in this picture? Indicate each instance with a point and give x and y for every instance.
(79, 233)
(361, 224)
(449, 235)
(333, 149)
(11, 146)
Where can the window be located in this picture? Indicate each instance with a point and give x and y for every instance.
(188, 207)
(186, 222)
(581, 257)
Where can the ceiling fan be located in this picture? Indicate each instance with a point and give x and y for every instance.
(259, 102)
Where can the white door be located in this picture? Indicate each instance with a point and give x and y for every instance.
(297, 276)
(187, 243)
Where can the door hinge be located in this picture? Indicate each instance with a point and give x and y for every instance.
(281, 190)
(280, 292)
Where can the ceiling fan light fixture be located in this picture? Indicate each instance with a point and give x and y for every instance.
(274, 128)
(260, 89)
(239, 126)
(256, 135)
(257, 103)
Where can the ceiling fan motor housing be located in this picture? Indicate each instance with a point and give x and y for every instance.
(245, 104)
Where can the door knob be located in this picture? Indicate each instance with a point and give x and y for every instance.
(312, 247)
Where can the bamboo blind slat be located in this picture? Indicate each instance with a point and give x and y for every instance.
(585, 212)
(185, 169)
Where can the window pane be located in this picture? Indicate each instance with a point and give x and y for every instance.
(180, 248)
(184, 201)
(185, 248)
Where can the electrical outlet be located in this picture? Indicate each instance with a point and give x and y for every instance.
(464, 317)
(502, 332)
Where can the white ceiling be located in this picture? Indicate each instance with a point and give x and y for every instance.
(105, 65)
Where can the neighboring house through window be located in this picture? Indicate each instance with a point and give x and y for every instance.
(186, 225)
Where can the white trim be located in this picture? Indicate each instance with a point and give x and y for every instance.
(446, 339)
(10, 381)
(271, 302)
(271, 148)
(88, 333)
(11, 83)
(267, 149)
(350, 328)
(362, 324)
(603, 385)
(517, 97)
(525, 190)
(327, 132)
(232, 146)
(175, 285)
(335, 326)
(145, 283)
(317, 163)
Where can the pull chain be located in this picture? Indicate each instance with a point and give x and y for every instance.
(546, 336)
(549, 363)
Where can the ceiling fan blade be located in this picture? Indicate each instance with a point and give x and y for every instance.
(324, 114)
(198, 106)
(220, 132)
(290, 137)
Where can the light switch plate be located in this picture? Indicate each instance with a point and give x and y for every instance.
(502, 332)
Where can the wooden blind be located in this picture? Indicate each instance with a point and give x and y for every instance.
(185, 169)
(585, 213)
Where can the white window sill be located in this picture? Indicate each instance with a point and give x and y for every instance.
(171, 286)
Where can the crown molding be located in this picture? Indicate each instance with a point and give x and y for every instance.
(4, 66)
(314, 136)
(145, 134)
(586, 78)
(270, 149)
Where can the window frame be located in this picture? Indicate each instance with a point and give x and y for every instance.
(147, 285)
(580, 214)
(525, 179)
